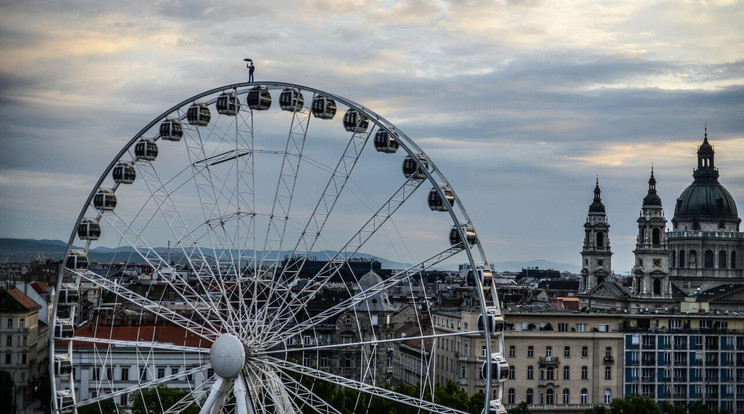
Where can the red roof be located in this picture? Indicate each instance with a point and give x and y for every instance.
(168, 334)
(23, 300)
(40, 287)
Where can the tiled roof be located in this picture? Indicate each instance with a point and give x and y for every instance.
(40, 287)
(22, 302)
(165, 334)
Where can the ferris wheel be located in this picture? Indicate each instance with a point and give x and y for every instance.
(303, 271)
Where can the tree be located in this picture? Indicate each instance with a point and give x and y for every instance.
(521, 408)
(7, 390)
(597, 409)
(634, 405)
(105, 406)
(157, 400)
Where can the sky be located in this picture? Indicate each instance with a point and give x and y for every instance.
(522, 104)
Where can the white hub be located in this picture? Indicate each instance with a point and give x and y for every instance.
(227, 356)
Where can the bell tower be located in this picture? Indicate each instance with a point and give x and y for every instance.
(651, 269)
(596, 266)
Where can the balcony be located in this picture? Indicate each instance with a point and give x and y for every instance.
(548, 360)
(609, 360)
(647, 379)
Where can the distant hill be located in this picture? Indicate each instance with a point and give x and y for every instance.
(19, 250)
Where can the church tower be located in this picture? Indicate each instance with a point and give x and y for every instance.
(595, 256)
(651, 270)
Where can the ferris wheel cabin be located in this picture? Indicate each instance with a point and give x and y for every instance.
(228, 104)
(146, 149)
(259, 98)
(495, 407)
(62, 365)
(124, 173)
(171, 130)
(411, 167)
(89, 229)
(77, 260)
(469, 231)
(495, 323)
(499, 369)
(198, 114)
(65, 401)
(324, 107)
(435, 200)
(291, 99)
(385, 142)
(69, 294)
(355, 122)
(64, 329)
(104, 200)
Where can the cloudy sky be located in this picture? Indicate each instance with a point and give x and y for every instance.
(521, 103)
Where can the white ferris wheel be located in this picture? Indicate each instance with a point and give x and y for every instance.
(269, 298)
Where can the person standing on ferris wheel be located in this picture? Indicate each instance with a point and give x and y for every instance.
(251, 68)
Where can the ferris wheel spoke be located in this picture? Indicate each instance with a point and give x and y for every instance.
(362, 387)
(330, 195)
(193, 397)
(363, 295)
(307, 396)
(143, 386)
(277, 391)
(334, 265)
(218, 390)
(148, 305)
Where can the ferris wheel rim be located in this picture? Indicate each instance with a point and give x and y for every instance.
(433, 176)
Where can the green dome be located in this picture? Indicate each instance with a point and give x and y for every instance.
(705, 200)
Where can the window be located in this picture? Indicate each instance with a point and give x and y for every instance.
(674, 259)
(567, 352)
(161, 372)
(608, 373)
(530, 372)
(109, 374)
(174, 371)
(530, 351)
(584, 396)
(530, 396)
(123, 399)
(7, 358)
(324, 361)
(655, 237)
(603, 327)
(608, 396)
(733, 260)
(608, 352)
(96, 372)
(22, 323)
(722, 259)
(566, 396)
(548, 351)
(512, 370)
(566, 372)
(551, 373)
(562, 327)
(550, 396)
(10, 323)
(510, 396)
(143, 374)
(124, 374)
(708, 259)
(9, 340)
(25, 341)
(585, 352)
(584, 372)
(512, 351)
(600, 239)
(580, 327)
(210, 373)
(681, 259)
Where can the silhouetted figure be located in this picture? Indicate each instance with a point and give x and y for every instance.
(251, 68)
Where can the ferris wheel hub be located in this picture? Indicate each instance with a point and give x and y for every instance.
(227, 356)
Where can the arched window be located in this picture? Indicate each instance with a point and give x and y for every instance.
(551, 373)
(608, 396)
(733, 260)
(657, 286)
(642, 236)
(674, 259)
(722, 259)
(655, 237)
(566, 372)
(550, 396)
(682, 262)
(530, 396)
(510, 396)
(708, 259)
(584, 396)
(600, 239)
(566, 396)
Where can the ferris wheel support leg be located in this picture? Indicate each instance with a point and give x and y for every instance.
(217, 393)
(241, 397)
